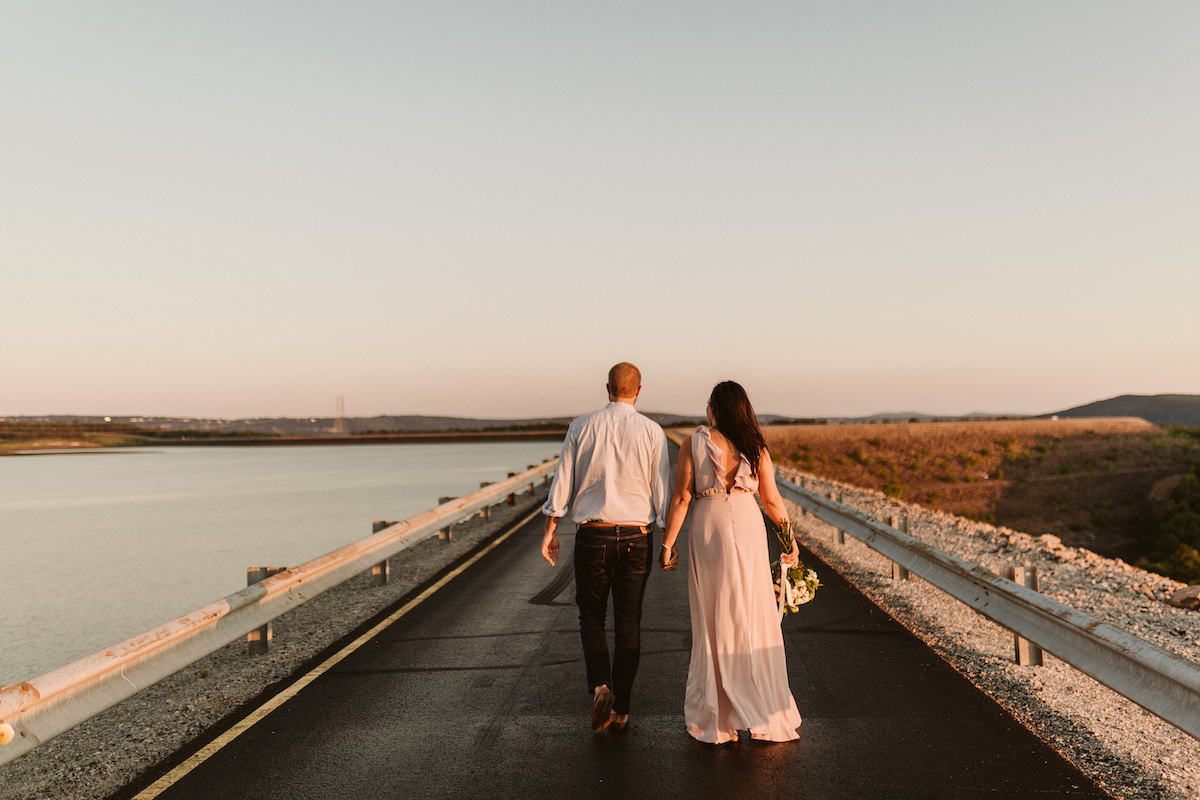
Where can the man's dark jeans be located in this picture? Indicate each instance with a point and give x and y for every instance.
(604, 562)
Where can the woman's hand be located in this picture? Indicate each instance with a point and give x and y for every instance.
(669, 559)
(789, 559)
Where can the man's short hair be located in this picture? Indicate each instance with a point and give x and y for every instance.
(624, 379)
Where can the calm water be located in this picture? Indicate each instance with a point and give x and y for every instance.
(98, 546)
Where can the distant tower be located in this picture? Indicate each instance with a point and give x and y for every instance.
(339, 423)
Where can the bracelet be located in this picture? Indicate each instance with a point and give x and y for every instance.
(667, 546)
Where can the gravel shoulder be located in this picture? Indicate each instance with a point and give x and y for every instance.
(1128, 751)
(144, 734)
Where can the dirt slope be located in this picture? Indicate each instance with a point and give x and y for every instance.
(1088, 481)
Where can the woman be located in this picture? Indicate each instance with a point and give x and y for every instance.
(737, 678)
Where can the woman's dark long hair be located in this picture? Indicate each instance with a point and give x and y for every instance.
(734, 416)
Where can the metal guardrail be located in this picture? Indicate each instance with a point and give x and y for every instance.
(43, 707)
(1157, 680)
(675, 436)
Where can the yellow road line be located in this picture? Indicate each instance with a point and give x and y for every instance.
(199, 757)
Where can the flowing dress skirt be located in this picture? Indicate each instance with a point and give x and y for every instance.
(737, 678)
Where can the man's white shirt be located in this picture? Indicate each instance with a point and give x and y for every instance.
(614, 467)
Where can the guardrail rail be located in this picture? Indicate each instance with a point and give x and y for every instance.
(39, 709)
(1157, 680)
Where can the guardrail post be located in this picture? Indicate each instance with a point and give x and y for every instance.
(258, 641)
(380, 573)
(1026, 653)
(803, 485)
(486, 513)
(512, 498)
(444, 534)
(899, 573)
(840, 536)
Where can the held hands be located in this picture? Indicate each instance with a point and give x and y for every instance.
(669, 559)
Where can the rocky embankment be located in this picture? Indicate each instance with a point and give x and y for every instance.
(1128, 751)
(101, 757)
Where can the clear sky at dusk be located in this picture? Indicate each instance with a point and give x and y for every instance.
(246, 209)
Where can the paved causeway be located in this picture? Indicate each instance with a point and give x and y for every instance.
(478, 692)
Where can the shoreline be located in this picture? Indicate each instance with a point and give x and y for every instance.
(446, 437)
(72, 447)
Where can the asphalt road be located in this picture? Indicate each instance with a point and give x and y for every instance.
(479, 692)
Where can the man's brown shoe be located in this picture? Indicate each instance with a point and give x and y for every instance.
(619, 723)
(602, 708)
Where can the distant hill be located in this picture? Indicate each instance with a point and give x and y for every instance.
(425, 423)
(328, 426)
(920, 416)
(415, 423)
(314, 426)
(891, 416)
(1161, 409)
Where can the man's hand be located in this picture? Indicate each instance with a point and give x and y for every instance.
(668, 559)
(550, 540)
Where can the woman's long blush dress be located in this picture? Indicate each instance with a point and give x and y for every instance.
(737, 677)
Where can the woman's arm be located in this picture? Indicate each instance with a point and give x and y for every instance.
(768, 492)
(682, 497)
(772, 501)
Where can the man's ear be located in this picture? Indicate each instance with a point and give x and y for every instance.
(638, 392)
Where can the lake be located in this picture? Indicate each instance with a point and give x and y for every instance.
(97, 546)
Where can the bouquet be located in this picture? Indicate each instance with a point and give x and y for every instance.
(796, 585)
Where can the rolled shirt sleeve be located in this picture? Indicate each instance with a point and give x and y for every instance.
(661, 482)
(559, 498)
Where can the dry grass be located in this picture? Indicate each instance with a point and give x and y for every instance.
(942, 436)
(1086, 480)
(81, 441)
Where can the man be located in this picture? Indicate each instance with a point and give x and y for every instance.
(614, 477)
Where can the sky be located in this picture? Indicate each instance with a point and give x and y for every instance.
(235, 209)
